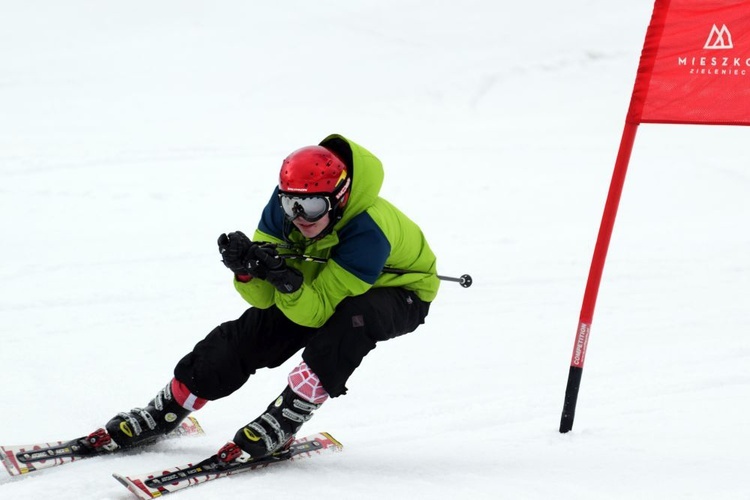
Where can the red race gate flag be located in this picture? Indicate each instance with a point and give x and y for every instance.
(694, 68)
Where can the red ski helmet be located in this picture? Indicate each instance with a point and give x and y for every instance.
(313, 182)
(313, 170)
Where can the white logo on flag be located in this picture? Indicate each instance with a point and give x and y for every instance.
(719, 38)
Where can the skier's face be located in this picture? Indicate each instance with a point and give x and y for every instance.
(311, 229)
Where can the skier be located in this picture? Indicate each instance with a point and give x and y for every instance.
(326, 206)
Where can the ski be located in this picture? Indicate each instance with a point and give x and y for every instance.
(24, 459)
(165, 481)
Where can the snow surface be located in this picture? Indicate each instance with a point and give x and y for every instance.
(133, 133)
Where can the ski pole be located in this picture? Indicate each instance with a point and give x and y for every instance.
(465, 280)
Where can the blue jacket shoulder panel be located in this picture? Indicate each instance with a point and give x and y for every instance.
(272, 218)
(363, 248)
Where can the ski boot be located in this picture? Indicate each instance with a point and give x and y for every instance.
(273, 431)
(141, 426)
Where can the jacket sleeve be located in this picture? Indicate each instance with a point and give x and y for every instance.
(314, 303)
(256, 292)
(354, 266)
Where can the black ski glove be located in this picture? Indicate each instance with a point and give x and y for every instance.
(285, 279)
(235, 249)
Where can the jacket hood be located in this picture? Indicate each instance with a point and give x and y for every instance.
(366, 171)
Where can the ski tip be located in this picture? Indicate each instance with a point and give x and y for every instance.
(14, 468)
(133, 487)
(335, 443)
(196, 427)
(11, 469)
(121, 479)
(6, 463)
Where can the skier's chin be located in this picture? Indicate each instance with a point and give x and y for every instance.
(309, 230)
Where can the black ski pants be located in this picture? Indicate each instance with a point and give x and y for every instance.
(265, 338)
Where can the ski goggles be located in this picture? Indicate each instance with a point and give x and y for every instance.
(311, 208)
